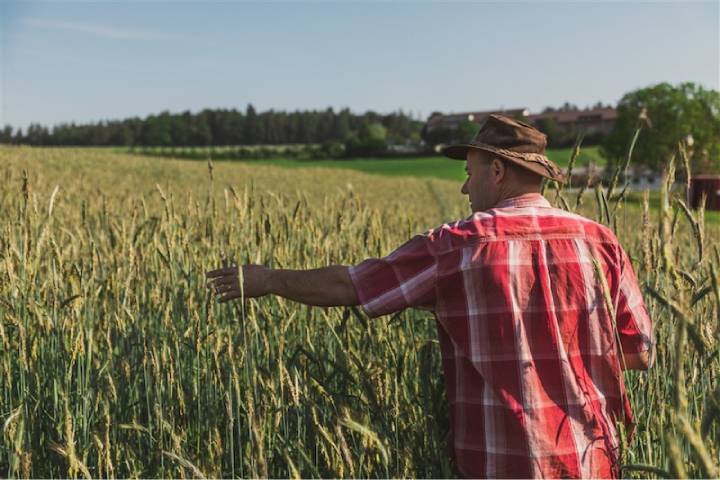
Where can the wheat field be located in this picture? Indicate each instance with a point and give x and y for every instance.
(116, 362)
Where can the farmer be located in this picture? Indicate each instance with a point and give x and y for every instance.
(532, 365)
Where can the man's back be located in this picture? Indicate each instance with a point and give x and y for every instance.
(529, 344)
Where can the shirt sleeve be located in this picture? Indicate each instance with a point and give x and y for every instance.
(405, 278)
(633, 322)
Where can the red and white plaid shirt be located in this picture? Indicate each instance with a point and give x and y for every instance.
(528, 345)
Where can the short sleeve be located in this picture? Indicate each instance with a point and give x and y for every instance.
(633, 322)
(405, 278)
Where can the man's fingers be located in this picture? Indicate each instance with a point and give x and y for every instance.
(230, 279)
(231, 295)
(221, 272)
(225, 288)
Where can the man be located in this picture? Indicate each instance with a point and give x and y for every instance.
(532, 365)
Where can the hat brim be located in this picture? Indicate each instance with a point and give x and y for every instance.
(457, 152)
(535, 162)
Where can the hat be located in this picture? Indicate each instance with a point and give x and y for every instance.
(511, 140)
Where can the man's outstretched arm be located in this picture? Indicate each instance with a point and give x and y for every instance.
(327, 286)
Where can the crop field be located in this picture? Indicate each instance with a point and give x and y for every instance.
(115, 361)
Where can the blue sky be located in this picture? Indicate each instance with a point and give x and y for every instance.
(92, 60)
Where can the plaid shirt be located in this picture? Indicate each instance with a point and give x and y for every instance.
(528, 344)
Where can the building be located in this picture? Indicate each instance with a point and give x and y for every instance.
(589, 121)
(451, 121)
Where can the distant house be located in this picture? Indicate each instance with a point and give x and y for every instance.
(451, 121)
(590, 121)
(588, 175)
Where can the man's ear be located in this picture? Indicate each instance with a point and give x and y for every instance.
(498, 170)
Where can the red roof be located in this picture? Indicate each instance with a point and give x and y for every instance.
(595, 114)
(457, 118)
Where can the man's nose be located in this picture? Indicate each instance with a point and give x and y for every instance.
(464, 189)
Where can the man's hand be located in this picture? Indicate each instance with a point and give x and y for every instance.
(639, 361)
(226, 282)
(327, 287)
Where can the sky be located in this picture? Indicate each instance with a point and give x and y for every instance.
(81, 61)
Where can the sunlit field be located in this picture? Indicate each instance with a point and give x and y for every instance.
(116, 362)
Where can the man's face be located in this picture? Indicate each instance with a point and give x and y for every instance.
(482, 183)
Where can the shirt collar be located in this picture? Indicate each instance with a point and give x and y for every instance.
(525, 200)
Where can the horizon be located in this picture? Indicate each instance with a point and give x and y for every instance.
(276, 110)
(76, 62)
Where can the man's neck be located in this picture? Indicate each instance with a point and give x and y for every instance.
(526, 199)
(518, 192)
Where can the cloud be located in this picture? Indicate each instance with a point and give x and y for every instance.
(99, 30)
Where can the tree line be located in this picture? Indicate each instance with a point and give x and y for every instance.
(219, 127)
(668, 115)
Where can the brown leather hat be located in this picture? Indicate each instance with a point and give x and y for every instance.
(511, 140)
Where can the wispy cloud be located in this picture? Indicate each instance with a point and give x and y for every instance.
(99, 30)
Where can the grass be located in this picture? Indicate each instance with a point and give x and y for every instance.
(115, 362)
(421, 167)
(424, 167)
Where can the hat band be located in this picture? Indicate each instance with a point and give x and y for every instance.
(529, 157)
